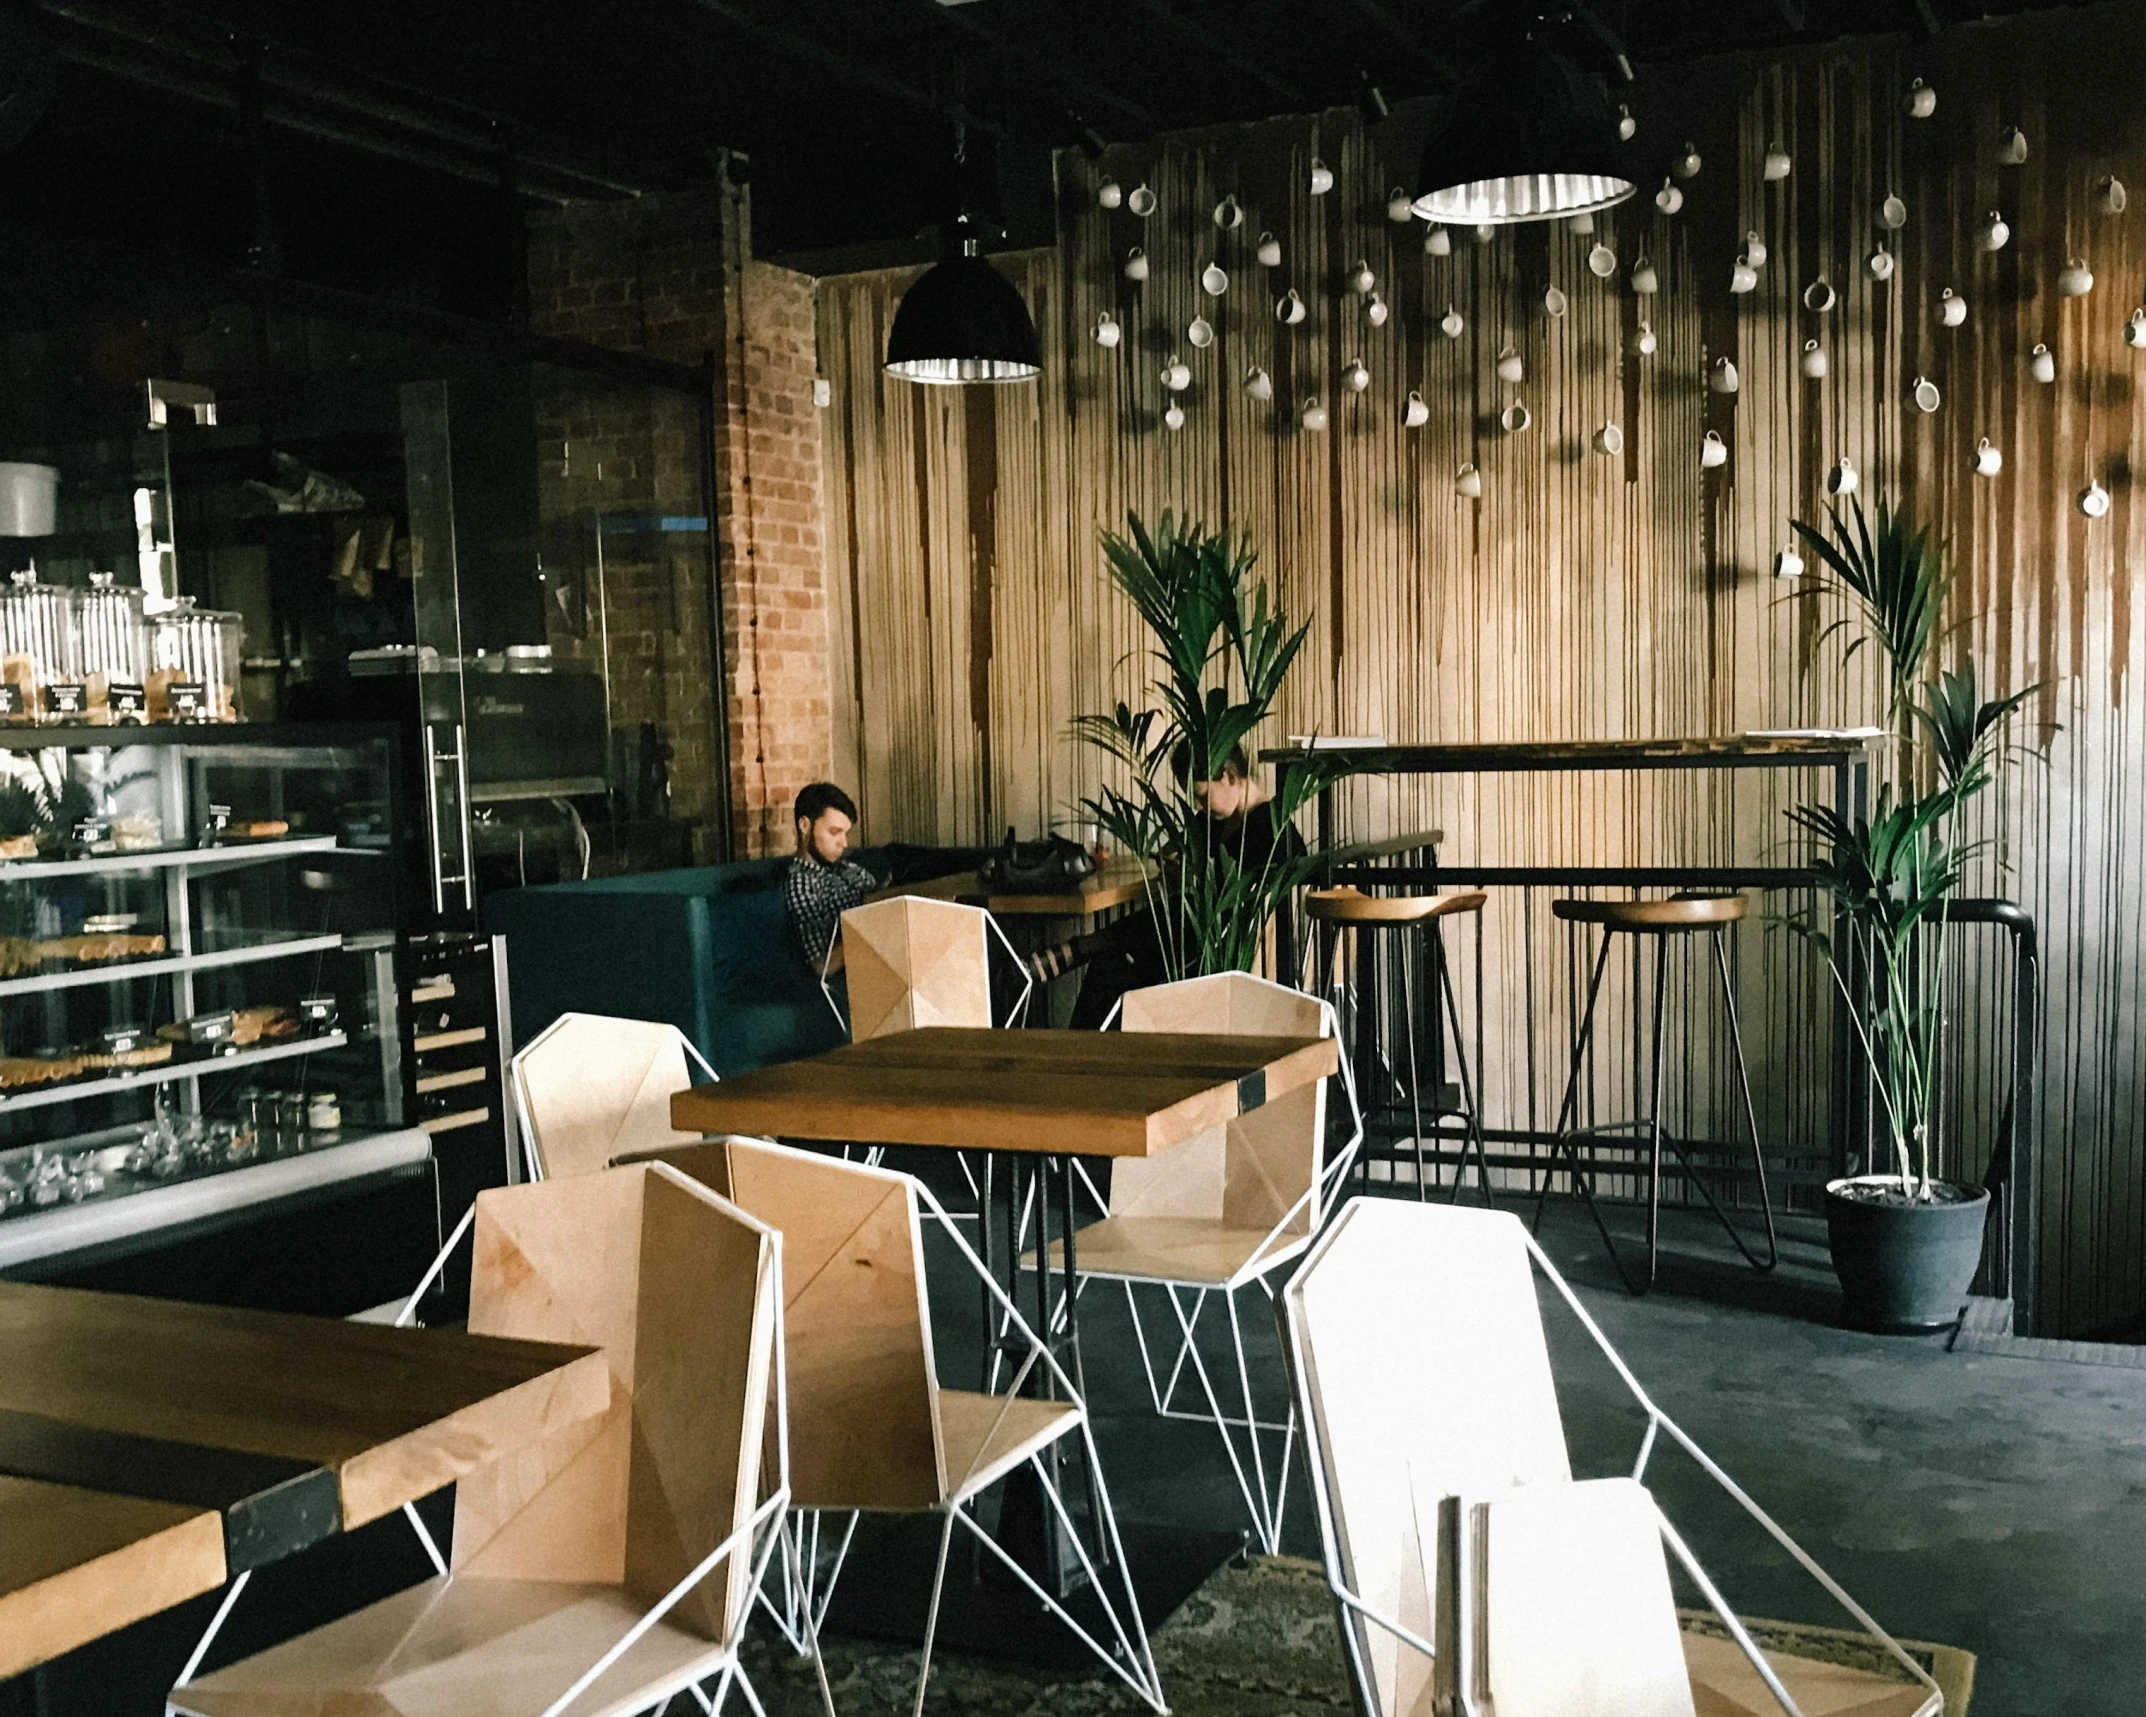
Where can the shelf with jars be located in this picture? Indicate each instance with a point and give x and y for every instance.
(199, 977)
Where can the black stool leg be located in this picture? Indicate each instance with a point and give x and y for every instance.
(1467, 1085)
(1654, 1121)
(1415, 1073)
(1565, 1137)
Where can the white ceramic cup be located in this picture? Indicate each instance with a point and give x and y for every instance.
(1920, 101)
(1892, 214)
(1356, 378)
(1988, 460)
(1686, 165)
(1951, 308)
(1644, 278)
(1174, 416)
(1107, 331)
(2012, 147)
(1925, 396)
(1229, 213)
(1177, 375)
(1609, 439)
(1642, 342)
(1485, 232)
(1788, 563)
(1743, 278)
(1375, 312)
(1881, 264)
(1627, 126)
(1362, 278)
(1669, 199)
(1415, 414)
(1994, 234)
(1289, 308)
(1468, 483)
(1819, 297)
(2094, 501)
(1141, 201)
(1136, 264)
(1842, 479)
(1109, 194)
(1200, 332)
(1583, 222)
(1724, 378)
(1397, 206)
(1214, 280)
(1814, 359)
(1437, 242)
(1313, 416)
(1602, 262)
(1450, 324)
(1553, 301)
(1755, 252)
(2135, 329)
(1321, 177)
(2042, 364)
(1269, 252)
(1258, 383)
(1713, 451)
(1510, 367)
(1777, 165)
(2075, 279)
(1515, 418)
(2113, 195)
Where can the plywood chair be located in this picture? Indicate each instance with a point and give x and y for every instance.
(1219, 1214)
(586, 1089)
(613, 1567)
(1415, 1339)
(875, 1430)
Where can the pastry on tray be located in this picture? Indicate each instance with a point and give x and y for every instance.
(141, 1055)
(94, 949)
(19, 1071)
(252, 1025)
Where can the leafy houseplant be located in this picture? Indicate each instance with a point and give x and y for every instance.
(1223, 646)
(1905, 1244)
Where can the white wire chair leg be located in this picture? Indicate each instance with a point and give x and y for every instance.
(931, 1616)
(1253, 1491)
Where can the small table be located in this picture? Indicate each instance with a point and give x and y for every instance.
(276, 1430)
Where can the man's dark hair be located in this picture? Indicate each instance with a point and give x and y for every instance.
(821, 797)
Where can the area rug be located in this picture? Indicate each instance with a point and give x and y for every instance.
(1258, 1641)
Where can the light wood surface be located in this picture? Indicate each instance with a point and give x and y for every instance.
(77, 1564)
(394, 1413)
(915, 962)
(1724, 1684)
(593, 1087)
(1114, 882)
(1699, 912)
(1353, 906)
(1085, 1093)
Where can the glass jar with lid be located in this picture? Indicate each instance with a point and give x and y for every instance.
(194, 664)
(40, 651)
(115, 651)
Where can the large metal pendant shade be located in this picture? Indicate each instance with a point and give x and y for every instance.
(962, 322)
(1528, 135)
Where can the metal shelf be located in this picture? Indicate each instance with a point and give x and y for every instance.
(172, 858)
(157, 964)
(139, 1078)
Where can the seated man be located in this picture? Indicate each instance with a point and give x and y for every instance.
(823, 882)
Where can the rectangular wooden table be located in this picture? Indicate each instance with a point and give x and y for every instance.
(128, 1423)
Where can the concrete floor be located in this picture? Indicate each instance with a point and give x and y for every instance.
(1993, 1503)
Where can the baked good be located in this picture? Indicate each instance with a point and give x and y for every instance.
(18, 1071)
(266, 829)
(92, 949)
(141, 1055)
(251, 1025)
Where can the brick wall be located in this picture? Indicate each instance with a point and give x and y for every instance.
(673, 277)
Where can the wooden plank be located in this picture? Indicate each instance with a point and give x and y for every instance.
(78, 1564)
(461, 1118)
(448, 1039)
(394, 1413)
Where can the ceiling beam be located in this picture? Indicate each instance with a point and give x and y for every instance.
(1087, 95)
(1243, 64)
(1436, 63)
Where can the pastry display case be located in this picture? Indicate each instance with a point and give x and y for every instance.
(199, 977)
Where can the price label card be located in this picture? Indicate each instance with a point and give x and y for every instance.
(10, 698)
(66, 699)
(189, 700)
(127, 703)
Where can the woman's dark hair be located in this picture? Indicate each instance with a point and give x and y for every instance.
(1236, 763)
(817, 800)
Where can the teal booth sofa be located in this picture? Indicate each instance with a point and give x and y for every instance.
(708, 949)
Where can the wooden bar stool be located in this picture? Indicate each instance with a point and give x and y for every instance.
(1663, 920)
(1405, 916)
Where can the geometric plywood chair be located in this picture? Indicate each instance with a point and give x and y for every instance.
(613, 1566)
(873, 1429)
(1221, 1213)
(1448, 1511)
(913, 962)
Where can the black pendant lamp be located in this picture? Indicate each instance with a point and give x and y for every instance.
(1527, 135)
(963, 322)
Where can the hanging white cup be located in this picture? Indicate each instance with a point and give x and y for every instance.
(1754, 250)
(1229, 213)
(1601, 262)
(1468, 482)
(1686, 165)
(2094, 501)
(2135, 329)
(2113, 195)
(1214, 280)
(1109, 194)
(1842, 479)
(1776, 166)
(1814, 360)
(1258, 384)
(1642, 342)
(1375, 312)
(1713, 451)
(1510, 368)
(1450, 324)
(1788, 563)
(1485, 232)
(2075, 279)
(1881, 264)
(1362, 278)
(1289, 308)
(2042, 364)
(1107, 331)
(1988, 460)
(1553, 302)
(1951, 308)
(1993, 234)
(1269, 253)
(2012, 147)
(1627, 126)
(1141, 202)
(1177, 375)
(1925, 396)
(1313, 416)
(1892, 214)
(1920, 101)
(1136, 264)
(1515, 418)
(1669, 199)
(1356, 378)
(1321, 178)
(1415, 414)
(1200, 332)
(1397, 207)
(1583, 222)
(1644, 278)
(1743, 278)
(1609, 439)
(1819, 297)
(1724, 378)
(1437, 242)
(1174, 416)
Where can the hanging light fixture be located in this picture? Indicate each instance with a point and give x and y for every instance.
(1528, 134)
(963, 322)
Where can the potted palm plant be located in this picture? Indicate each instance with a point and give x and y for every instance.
(1905, 1243)
(1223, 647)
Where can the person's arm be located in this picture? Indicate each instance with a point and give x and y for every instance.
(815, 914)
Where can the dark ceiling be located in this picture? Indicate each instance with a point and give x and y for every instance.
(847, 109)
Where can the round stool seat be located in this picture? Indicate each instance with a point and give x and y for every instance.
(1654, 917)
(1353, 906)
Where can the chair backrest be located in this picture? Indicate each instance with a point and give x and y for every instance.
(592, 1087)
(679, 1287)
(863, 1387)
(1251, 1171)
(1422, 1373)
(913, 961)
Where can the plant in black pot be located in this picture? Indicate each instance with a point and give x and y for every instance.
(1905, 1242)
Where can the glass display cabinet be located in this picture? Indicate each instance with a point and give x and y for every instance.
(199, 987)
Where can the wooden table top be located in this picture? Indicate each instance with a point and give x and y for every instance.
(1084, 1093)
(1718, 751)
(1115, 882)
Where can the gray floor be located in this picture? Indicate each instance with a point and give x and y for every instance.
(1994, 1503)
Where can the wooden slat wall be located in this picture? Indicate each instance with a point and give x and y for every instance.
(1583, 596)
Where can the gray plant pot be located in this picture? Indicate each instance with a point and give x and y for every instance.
(1904, 1267)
